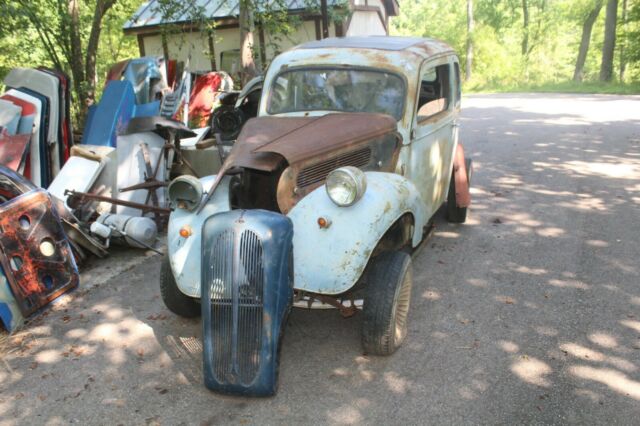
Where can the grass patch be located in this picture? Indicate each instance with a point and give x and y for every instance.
(587, 87)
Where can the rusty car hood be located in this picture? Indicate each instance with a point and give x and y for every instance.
(265, 141)
(300, 138)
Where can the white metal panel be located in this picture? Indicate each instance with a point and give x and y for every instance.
(131, 168)
(77, 174)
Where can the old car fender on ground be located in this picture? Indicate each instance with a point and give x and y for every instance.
(185, 252)
(330, 259)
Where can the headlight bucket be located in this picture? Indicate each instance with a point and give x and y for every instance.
(346, 185)
(185, 192)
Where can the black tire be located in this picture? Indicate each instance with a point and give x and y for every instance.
(457, 214)
(176, 301)
(386, 303)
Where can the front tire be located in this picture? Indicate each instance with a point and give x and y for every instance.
(386, 303)
(176, 301)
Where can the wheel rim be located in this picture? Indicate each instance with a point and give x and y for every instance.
(401, 313)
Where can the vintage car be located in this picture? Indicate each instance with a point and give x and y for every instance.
(321, 200)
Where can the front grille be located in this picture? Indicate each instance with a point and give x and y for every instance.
(318, 172)
(237, 284)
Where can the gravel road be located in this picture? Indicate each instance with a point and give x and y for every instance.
(529, 313)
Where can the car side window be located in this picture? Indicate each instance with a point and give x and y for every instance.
(435, 92)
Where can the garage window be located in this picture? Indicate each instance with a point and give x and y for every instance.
(435, 92)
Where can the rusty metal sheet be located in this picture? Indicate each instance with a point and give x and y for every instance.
(301, 178)
(265, 142)
(460, 175)
(325, 133)
(34, 251)
(298, 139)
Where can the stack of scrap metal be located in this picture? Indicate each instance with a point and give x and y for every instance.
(36, 135)
(114, 184)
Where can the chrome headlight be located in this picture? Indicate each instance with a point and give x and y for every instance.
(346, 185)
(185, 192)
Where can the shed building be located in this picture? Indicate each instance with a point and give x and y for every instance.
(179, 37)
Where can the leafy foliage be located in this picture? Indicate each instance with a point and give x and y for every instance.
(554, 32)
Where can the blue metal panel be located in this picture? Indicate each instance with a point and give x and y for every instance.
(140, 72)
(247, 292)
(331, 260)
(9, 310)
(111, 116)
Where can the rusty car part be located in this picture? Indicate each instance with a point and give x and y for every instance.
(76, 199)
(34, 251)
(345, 311)
(297, 139)
(460, 175)
(267, 143)
(300, 178)
(347, 307)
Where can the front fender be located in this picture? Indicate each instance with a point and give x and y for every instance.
(185, 253)
(331, 260)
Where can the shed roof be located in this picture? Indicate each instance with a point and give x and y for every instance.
(149, 14)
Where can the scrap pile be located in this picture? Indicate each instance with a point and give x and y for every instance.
(109, 188)
(35, 123)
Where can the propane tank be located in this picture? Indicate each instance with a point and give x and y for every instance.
(132, 228)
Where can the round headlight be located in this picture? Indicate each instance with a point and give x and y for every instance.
(185, 192)
(346, 185)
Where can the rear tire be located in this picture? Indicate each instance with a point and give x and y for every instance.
(457, 214)
(386, 303)
(176, 301)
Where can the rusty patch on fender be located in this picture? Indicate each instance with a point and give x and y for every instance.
(461, 178)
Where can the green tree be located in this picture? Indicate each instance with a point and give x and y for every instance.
(66, 35)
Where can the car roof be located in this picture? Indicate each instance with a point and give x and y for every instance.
(423, 46)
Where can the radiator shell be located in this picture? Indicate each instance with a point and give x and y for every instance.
(247, 279)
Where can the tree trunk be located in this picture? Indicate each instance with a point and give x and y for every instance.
(525, 28)
(470, 25)
(248, 49)
(75, 57)
(102, 6)
(623, 59)
(587, 27)
(606, 67)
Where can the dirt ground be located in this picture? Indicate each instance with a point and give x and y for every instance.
(529, 313)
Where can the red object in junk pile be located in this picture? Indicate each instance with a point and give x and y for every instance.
(203, 99)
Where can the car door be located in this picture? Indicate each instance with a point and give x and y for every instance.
(433, 131)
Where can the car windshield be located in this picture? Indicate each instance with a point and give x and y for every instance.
(336, 89)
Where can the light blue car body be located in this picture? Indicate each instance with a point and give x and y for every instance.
(331, 260)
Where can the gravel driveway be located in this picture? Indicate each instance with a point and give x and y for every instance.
(529, 313)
